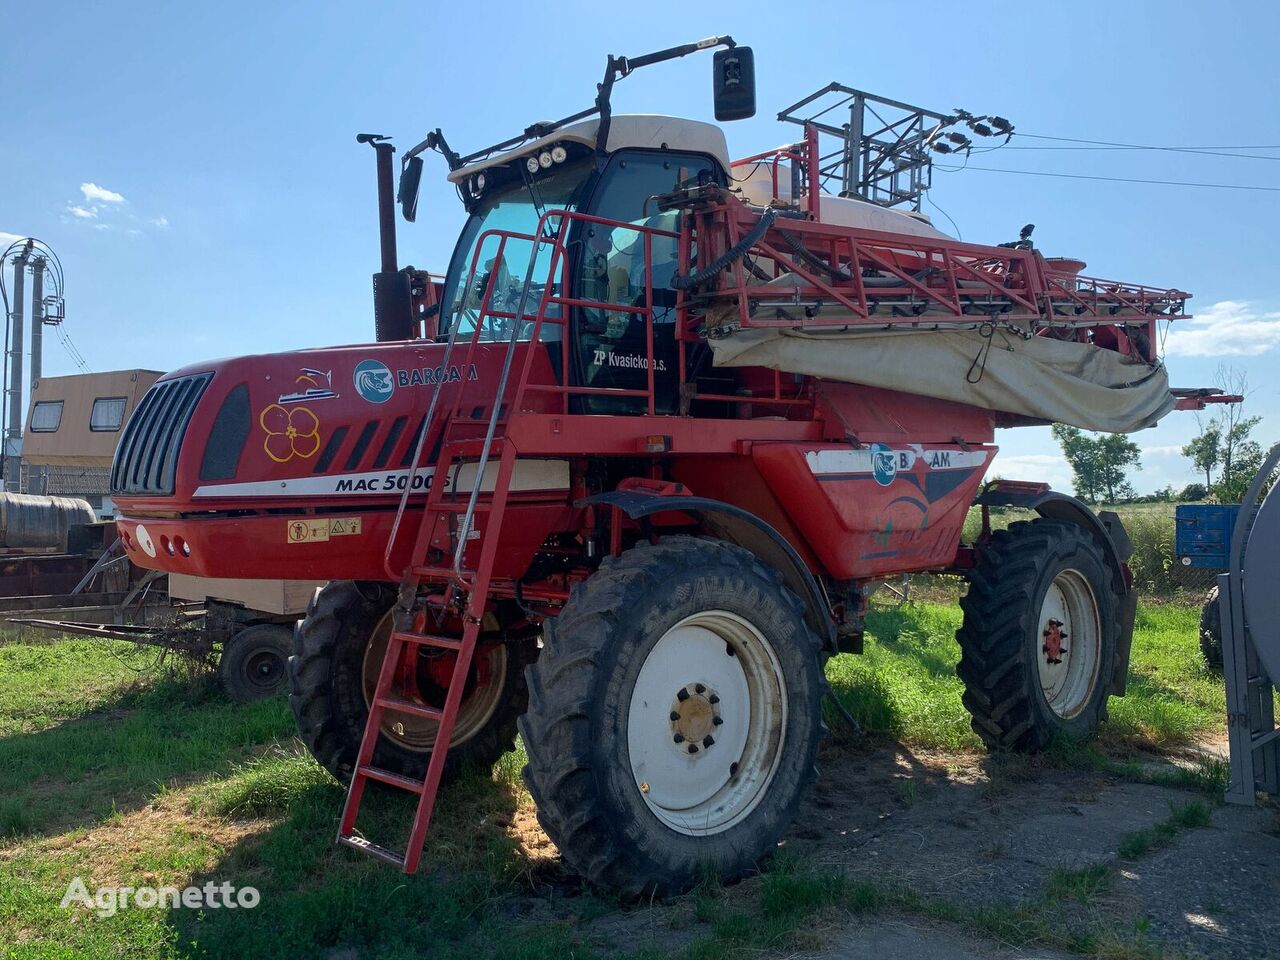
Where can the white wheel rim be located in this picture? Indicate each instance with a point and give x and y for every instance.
(706, 723)
(1069, 644)
(419, 733)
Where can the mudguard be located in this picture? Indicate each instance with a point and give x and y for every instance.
(741, 527)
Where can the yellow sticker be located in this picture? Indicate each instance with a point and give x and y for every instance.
(321, 529)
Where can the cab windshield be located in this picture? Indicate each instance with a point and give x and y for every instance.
(516, 207)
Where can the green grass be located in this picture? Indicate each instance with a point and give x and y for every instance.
(124, 778)
(1083, 884)
(905, 685)
(1187, 817)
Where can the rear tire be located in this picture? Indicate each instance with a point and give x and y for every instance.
(254, 663)
(674, 717)
(1026, 680)
(332, 672)
(1211, 631)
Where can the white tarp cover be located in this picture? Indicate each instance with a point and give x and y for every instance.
(1053, 380)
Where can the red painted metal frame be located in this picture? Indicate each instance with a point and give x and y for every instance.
(954, 281)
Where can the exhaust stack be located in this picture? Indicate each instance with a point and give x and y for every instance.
(392, 304)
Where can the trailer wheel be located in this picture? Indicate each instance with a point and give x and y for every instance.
(1038, 642)
(1211, 631)
(337, 652)
(255, 662)
(674, 717)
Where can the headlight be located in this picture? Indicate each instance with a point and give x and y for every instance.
(544, 160)
(558, 153)
(531, 164)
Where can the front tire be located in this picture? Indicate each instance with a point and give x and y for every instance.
(337, 653)
(1039, 638)
(674, 717)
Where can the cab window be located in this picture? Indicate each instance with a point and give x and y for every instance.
(612, 269)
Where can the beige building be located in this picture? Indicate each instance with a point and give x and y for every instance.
(73, 427)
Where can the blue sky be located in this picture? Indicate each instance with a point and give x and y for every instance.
(194, 165)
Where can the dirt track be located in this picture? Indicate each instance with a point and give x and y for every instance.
(969, 832)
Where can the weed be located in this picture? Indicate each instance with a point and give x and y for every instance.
(1187, 817)
(1083, 884)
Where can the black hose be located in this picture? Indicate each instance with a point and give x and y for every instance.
(727, 259)
(797, 246)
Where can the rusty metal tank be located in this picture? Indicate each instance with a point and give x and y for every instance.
(32, 522)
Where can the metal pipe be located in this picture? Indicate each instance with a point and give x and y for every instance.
(386, 206)
(38, 265)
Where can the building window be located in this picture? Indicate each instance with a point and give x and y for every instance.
(107, 415)
(45, 416)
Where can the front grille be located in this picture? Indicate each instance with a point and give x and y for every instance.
(147, 457)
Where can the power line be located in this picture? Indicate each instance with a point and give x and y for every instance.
(72, 351)
(1082, 176)
(1115, 145)
(1184, 150)
(954, 226)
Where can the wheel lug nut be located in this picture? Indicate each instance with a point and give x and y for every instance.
(693, 748)
(674, 716)
(713, 699)
(683, 695)
(716, 721)
(699, 688)
(678, 738)
(708, 740)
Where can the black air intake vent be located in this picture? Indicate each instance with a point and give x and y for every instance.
(147, 457)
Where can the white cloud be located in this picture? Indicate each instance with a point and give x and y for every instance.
(81, 213)
(1037, 467)
(1174, 450)
(8, 238)
(102, 226)
(96, 194)
(161, 222)
(1227, 328)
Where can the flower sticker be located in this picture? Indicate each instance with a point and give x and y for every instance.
(291, 432)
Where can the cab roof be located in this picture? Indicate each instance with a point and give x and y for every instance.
(642, 130)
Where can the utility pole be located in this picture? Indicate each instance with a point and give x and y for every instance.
(35, 475)
(13, 395)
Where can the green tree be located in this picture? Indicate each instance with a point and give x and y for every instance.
(1193, 492)
(1100, 464)
(1204, 451)
(1226, 442)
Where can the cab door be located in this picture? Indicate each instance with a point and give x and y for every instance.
(610, 267)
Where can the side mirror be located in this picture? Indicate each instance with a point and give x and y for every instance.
(407, 195)
(734, 83)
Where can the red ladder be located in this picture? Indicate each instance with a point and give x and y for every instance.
(441, 504)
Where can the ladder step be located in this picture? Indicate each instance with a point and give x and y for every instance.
(427, 640)
(373, 850)
(391, 779)
(409, 706)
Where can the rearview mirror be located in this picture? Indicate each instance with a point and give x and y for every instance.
(410, 177)
(734, 83)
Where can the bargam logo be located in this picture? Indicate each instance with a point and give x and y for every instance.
(884, 464)
(373, 381)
